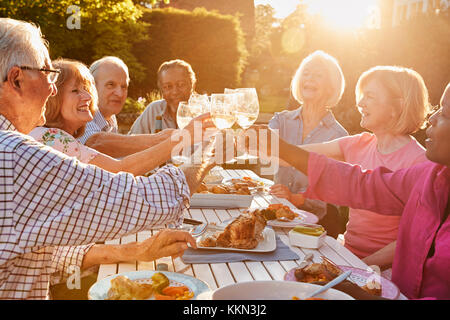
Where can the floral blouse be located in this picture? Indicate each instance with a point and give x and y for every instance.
(63, 142)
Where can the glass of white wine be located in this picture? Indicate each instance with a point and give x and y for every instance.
(184, 116)
(223, 113)
(247, 110)
(223, 110)
(199, 103)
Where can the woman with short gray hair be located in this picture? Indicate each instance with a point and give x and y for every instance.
(318, 85)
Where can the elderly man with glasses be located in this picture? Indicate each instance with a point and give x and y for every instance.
(48, 199)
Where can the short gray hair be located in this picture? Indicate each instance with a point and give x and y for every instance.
(333, 72)
(21, 44)
(177, 63)
(109, 59)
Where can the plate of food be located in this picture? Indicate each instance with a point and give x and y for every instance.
(221, 196)
(254, 184)
(282, 216)
(148, 285)
(213, 178)
(327, 270)
(274, 290)
(247, 232)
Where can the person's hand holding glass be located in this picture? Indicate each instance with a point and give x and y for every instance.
(186, 113)
(223, 112)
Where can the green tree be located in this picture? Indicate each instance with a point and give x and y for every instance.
(212, 43)
(265, 23)
(106, 28)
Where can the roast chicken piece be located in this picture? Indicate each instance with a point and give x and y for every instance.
(244, 232)
(122, 288)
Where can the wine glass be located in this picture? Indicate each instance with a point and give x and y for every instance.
(247, 111)
(223, 110)
(184, 116)
(199, 103)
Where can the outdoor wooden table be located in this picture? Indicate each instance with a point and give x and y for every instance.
(222, 274)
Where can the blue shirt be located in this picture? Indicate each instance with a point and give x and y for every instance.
(99, 124)
(290, 126)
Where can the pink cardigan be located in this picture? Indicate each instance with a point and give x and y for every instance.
(419, 194)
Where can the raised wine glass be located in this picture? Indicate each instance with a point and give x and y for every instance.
(223, 110)
(199, 103)
(247, 111)
(184, 116)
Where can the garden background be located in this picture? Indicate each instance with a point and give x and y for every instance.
(224, 54)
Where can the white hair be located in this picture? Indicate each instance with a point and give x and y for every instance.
(334, 73)
(109, 59)
(21, 44)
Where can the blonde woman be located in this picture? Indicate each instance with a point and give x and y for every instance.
(318, 85)
(393, 102)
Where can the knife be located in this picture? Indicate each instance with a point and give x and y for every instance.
(306, 260)
(192, 221)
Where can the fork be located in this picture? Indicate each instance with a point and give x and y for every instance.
(201, 229)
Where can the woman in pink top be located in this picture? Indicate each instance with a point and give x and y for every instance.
(419, 194)
(393, 103)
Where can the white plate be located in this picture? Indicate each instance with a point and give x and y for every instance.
(213, 179)
(273, 290)
(262, 181)
(269, 243)
(305, 217)
(213, 200)
(99, 290)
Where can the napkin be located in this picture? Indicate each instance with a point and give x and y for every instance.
(282, 252)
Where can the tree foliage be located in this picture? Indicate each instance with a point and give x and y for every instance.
(212, 43)
(106, 28)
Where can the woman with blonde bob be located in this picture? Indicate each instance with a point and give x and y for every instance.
(318, 84)
(73, 107)
(393, 102)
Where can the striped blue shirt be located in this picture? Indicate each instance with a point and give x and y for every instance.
(290, 126)
(99, 124)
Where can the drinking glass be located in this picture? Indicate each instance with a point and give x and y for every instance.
(223, 110)
(247, 111)
(199, 103)
(184, 116)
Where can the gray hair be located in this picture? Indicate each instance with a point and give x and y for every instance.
(177, 63)
(21, 44)
(333, 72)
(109, 59)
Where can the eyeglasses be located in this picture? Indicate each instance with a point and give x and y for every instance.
(180, 85)
(51, 74)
